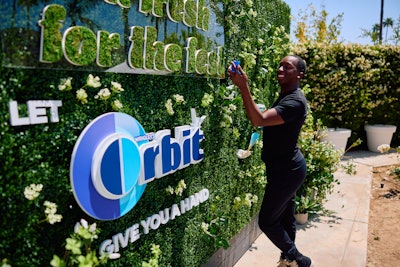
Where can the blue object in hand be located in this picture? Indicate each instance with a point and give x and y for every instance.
(235, 64)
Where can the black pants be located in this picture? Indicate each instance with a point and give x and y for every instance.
(276, 218)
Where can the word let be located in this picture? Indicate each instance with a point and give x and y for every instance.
(37, 112)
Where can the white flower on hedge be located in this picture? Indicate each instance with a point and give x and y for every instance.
(117, 105)
(65, 84)
(116, 87)
(50, 211)
(230, 87)
(179, 98)
(170, 190)
(247, 200)
(227, 110)
(32, 191)
(237, 200)
(383, 148)
(92, 81)
(54, 218)
(170, 109)
(235, 29)
(181, 186)
(85, 230)
(51, 208)
(232, 107)
(249, 3)
(252, 13)
(84, 223)
(103, 94)
(250, 199)
(93, 227)
(81, 95)
(231, 96)
(228, 119)
(204, 227)
(207, 100)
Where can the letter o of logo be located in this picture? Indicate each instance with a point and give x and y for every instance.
(105, 166)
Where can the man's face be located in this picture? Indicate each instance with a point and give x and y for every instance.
(287, 72)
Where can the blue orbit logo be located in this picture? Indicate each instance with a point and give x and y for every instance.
(106, 166)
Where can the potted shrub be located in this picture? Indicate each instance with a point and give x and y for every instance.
(323, 160)
(304, 206)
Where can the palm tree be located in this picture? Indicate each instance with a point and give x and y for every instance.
(380, 24)
(387, 23)
(373, 33)
(376, 34)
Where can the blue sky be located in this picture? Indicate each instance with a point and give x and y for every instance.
(357, 14)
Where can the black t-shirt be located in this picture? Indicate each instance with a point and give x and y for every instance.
(280, 141)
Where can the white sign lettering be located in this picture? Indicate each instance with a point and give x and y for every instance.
(37, 112)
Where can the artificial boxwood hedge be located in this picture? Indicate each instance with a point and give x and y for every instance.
(40, 154)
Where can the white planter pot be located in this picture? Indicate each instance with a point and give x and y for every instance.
(379, 134)
(338, 137)
(301, 218)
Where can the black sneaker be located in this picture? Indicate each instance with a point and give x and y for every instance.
(296, 259)
(302, 261)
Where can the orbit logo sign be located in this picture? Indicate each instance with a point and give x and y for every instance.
(114, 158)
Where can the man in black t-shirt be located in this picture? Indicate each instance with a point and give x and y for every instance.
(285, 164)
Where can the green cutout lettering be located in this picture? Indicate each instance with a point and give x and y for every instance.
(212, 67)
(145, 6)
(106, 43)
(136, 50)
(79, 45)
(221, 63)
(191, 46)
(159, 56)
(173, 57)
(176, 10)
(158, 7)
(204, 19)
(51, 38)
(150, 39)
(124, 3)
(201, 61)
(190, 14)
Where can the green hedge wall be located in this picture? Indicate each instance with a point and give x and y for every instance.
(353, 85)
(40, 154)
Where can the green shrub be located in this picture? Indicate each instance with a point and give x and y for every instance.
(353, 85)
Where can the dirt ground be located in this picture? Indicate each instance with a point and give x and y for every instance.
(384, 220)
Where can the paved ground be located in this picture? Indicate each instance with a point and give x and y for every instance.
(337, 240)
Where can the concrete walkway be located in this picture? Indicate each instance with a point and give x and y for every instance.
(339, 239)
